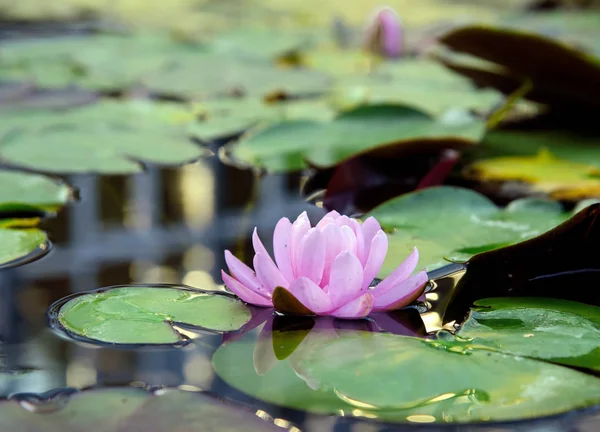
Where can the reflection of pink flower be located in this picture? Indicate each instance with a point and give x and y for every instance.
(328, 268)
(383, 33)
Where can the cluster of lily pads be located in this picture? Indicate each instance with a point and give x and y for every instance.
(458, 147)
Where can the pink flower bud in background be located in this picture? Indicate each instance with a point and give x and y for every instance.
(383, 33)
(328, 268)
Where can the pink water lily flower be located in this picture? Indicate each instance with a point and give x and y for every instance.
(328, 269)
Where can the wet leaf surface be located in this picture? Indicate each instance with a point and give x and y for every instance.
(146, 314)
(131, 409)
(400, 379)
(553, 330)
(285, 146)
(455, 223)
(561, 258)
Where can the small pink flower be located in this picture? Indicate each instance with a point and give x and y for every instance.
(383, 33)
(328, 268)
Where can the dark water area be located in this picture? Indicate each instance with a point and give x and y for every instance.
(167, 225)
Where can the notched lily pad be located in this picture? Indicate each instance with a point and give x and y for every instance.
(149, 314)
(559, 331)
(286, 146)
(21, 246)
(456, 223)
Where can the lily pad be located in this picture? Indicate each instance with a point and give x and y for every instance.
(109, 137)
(399, 379)
(98, 62)
(286, 145)
(559, 331)
(456, 223)
(209, 75)
(130, 409)
(543, 173)
(560, 75)
(568, 146)
(221, 118)
(146, 314)
(17, 188)
(19, 246)
(421, 83)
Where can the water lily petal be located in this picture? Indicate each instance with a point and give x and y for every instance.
(282, 237)
(328, 219)
(334, 245)
(246, 294)
(370, 227)
(267, 273)
(402, 294)
(244, 274)
(349, 239)
(378, 251)
(358, 308)
(312, 256)
(402, 272)
(360, 240)
(311, 296)
(299, 229)
(345, 279)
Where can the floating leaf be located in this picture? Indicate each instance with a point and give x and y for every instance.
(218, 75)
(556, 260)
(108, 137)
(18, 246)
(395, 378)
(420, 83)
(35, 190)
(560, 76)
(226, 117)
(455, 223)
(99, 62)
(146, 314)
(544, 173)
(553, 330)
(130, 409)
(285, 146)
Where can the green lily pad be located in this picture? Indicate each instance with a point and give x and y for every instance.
(18, 246)
(17, 188)
(209, 75)
(132, 409)
(98, 62)
(286, 145)
(220, 118)
(421, 83)
(559, 331)
(456, 223)
(109, 137)
(148, 314)
(399, 379)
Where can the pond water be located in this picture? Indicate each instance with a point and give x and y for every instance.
(162, 226)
